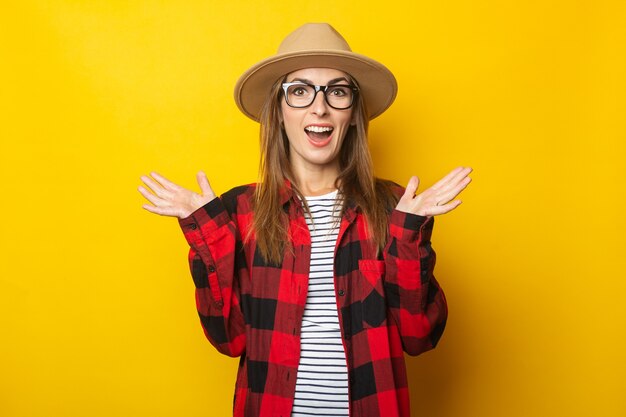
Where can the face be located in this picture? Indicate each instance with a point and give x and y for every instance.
(316, 132)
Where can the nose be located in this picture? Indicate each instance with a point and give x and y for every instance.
(319, 105)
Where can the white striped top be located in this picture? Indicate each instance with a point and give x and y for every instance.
(322, 381)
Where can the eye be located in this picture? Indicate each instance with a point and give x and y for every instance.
(338, 91)
(299, 90)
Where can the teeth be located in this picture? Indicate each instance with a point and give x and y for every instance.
(318, 129)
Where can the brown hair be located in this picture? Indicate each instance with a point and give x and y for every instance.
(356, 181)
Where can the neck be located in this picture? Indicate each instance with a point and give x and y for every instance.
(313, 181)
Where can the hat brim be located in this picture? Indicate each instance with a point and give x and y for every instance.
(377, 85)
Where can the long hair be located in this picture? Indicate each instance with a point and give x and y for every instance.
(355, 182)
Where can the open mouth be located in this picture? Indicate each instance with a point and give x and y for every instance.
(319, 135)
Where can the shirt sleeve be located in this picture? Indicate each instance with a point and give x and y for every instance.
(213, 240)
(415, 299)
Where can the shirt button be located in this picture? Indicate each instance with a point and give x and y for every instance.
(193, 226)
(341, 293)
(211, 268)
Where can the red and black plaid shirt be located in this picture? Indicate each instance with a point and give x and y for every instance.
(387, 304)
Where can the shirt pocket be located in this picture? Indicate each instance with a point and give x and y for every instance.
(373, 304)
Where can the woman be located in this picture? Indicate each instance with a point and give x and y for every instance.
(320, 276)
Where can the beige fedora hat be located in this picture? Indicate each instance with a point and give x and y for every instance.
(316, 45)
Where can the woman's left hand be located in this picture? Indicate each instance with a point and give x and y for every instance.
(438, 199)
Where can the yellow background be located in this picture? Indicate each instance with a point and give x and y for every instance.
(97, 316)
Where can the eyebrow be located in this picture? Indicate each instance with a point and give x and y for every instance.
(333, 81)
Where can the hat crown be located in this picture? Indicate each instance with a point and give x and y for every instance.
(313, 37)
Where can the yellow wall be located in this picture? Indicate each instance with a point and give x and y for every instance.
(96, 303)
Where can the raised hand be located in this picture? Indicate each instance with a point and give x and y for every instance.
(438, 199)
(169, 199)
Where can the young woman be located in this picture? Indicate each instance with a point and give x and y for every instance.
(320, 276)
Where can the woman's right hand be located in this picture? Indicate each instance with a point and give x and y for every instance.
(169, 199)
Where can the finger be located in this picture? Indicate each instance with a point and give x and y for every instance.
(445, 196)
(158, 210)
(452, 178)
(455, 176)
(460, 176)
(443, 209)
(447, 178)
(150, 197)
(154, 186)
(164, 181)
(411, 187)
(449, 190)
(204, 184)
(458, 188)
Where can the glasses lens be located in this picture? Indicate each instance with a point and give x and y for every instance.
(300, 95)
(339, 96)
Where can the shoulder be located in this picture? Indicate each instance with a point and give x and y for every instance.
(239, 198)
(392, 186)
(388, 191)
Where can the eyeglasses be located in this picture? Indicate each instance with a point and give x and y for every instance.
(338, 96)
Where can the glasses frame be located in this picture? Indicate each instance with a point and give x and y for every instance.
(323, 89)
